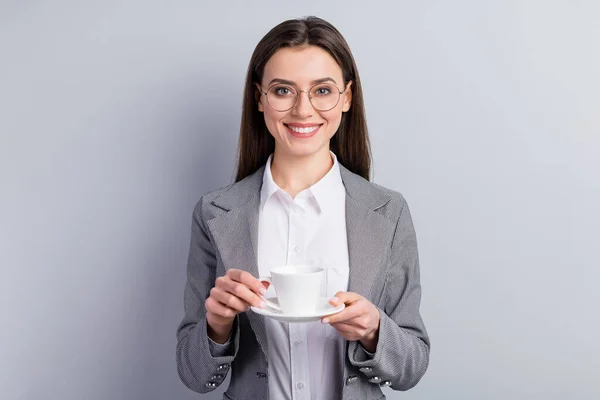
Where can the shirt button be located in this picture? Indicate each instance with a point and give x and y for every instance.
(297, 209)
(296, 249)
(300, 386)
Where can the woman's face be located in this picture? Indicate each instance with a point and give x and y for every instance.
(303, 130)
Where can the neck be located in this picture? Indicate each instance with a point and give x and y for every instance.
(295, 174)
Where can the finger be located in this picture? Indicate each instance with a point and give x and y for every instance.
(229, 299)
(248, 280)
(239, 290)
(360, 323)
(354, 310)
(219, 310)
(265, 285)
(349, 332)
(345, 328)
(345, 298)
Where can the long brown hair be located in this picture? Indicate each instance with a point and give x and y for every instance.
(350, 143)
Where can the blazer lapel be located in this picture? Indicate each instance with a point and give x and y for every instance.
(369, 232)
(235, 233)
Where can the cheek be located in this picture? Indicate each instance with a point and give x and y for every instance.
(272, 119)
(333, 121)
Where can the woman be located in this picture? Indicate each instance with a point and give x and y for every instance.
(302, 195)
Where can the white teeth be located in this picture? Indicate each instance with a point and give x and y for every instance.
(303, 130)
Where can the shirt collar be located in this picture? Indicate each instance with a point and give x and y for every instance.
(323, 191)
(269, 187)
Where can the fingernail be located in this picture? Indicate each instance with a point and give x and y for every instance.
(325, 320)
(262, 290)
(262, 304)
(335, 299)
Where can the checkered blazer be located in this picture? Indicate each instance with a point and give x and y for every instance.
(384, 268)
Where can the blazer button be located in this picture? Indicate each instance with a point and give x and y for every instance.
(365, 370)
(375, 379)
(351, 379)
(385, 384)
(211, 385)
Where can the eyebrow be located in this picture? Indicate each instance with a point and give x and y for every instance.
(292, 83)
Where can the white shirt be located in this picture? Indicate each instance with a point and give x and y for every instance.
(306, 360)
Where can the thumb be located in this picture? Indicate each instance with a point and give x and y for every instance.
(345, 298)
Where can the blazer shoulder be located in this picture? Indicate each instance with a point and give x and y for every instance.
(229, 197)
(212, 195)
(376, 197)
(385, 201)
(203, 207)
(396, 204)
(396, 197)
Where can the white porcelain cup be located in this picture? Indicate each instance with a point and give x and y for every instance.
(298, 288)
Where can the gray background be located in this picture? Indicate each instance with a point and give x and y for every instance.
(117, 116)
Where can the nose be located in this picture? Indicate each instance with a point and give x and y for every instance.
(303, 107)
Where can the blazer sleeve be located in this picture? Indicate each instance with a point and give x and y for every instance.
(202, 365)
(402, 353)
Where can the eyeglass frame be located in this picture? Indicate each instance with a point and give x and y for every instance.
(308, 94)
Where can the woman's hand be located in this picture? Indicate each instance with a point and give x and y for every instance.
(233, 293)
(358, 321)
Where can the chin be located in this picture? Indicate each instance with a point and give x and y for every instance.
(306, 149)
(293, 146)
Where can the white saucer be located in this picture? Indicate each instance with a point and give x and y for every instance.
(323, 309)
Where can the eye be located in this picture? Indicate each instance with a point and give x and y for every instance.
(283, 91)
(322, 91)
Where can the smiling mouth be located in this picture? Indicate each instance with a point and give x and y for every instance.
(303, 130)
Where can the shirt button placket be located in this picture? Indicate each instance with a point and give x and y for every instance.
(296, 235)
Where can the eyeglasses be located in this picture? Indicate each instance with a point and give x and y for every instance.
(322, 96)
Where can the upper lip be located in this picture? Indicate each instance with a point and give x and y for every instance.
(299, 125)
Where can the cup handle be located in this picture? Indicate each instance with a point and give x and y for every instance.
(269, 303)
